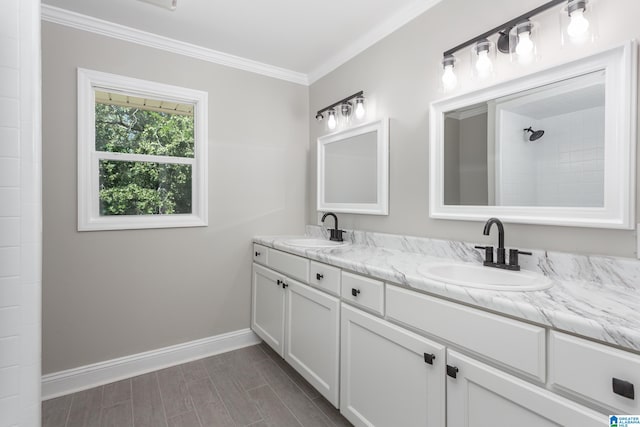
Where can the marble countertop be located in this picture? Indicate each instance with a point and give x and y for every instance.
(598, 298)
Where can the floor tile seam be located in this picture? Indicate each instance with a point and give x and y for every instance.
(320, 409)
(215, 388)
(286, 406)
(195, 410)
(133, 418)
(164, 408)
(301, 392)
(66, 421)
(257, 407)
(188, 395)
(273, 358)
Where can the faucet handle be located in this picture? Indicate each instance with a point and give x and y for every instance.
(488, 253)
(513, 256)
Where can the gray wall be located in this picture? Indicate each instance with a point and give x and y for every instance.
(400, 76)
(473, 160)
(114, 293)
(451, 161)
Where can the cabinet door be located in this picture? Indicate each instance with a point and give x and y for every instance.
(312, 343)
(267, 308)
(482, 396)
(386, 380)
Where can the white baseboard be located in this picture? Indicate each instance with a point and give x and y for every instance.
(89, 376)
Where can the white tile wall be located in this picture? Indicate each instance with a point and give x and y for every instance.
(563, 168)
(20, 213)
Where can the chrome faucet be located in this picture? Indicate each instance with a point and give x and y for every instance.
(500, 251)
(336, 233)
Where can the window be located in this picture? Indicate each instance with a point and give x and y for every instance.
(142, 154)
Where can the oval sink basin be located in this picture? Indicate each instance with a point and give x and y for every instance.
(314, 243)
(481, 277)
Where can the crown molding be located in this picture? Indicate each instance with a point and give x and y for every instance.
(371, 37)
(471, 112)
(121, 32)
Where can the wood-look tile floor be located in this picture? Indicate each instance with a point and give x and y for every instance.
(252, 386)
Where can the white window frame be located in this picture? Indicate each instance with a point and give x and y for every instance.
(89, 218)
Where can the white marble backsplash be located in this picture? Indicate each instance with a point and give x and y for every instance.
(555, 265)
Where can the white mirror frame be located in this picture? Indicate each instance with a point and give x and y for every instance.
(620, 66)
(381, 127)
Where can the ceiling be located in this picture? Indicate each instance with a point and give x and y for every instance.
(302, 36)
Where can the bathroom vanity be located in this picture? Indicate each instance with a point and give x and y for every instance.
(392, 347)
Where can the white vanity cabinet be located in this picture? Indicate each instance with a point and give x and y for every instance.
(389, 356)
(268, 307)
(313, 338)
(389, 376)
(480, 395)
(300, 323)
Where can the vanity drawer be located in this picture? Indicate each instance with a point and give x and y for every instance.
(260, 254)
(590, 369)
(293, 266)
(509, 342)
(363, 291)
(325, 277)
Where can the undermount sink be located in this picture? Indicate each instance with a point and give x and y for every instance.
(314, 243)
(481, 277)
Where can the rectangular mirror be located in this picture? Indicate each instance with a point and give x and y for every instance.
(556, 147)
(353, 170)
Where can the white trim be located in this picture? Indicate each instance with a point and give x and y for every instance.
(465, 114)
(98, 26)
(381, 127)
(373, 36)
(89, 218)
(89, 376)
(620, 65)
(121, 32)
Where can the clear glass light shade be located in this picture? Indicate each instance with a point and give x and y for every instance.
(484, 66)
(360, 111)
(332, 122)
(523, 40)
(483, 56)
(525, 45)
(577, 19)
(449, 78)
(578, 24)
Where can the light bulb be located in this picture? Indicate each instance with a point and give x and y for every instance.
(332, 120)
(524, 49)
(359, 108)
(483, 64)
(578, 25)
(449, 79)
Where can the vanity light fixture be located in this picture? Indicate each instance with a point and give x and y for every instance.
(346, 107)
(515, 36)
